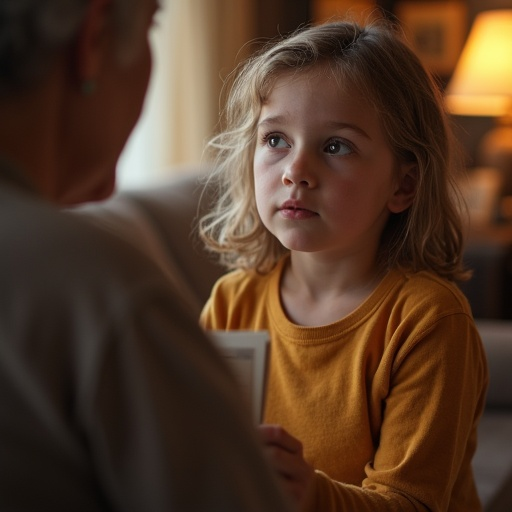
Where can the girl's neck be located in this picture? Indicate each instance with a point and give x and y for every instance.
(317, 292)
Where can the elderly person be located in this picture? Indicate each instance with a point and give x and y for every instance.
(111, 397)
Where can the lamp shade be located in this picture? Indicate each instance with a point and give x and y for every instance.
(481, 83)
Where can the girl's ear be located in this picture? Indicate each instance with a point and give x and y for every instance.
(91, 39)
(406, 190)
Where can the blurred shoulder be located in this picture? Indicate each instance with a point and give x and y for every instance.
(49, 246)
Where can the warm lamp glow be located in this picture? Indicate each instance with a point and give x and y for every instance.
(481, 84)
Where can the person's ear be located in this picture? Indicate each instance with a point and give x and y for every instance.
(90, 48)
(405, 192)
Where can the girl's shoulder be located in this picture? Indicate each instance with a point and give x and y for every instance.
(241, 300)
(428, 290)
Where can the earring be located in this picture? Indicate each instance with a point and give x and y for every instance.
(88, 87)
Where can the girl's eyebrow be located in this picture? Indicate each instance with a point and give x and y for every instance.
(334, 125)
(271, 120)
(338, 125)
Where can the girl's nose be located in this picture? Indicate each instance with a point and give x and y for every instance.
(299, 172)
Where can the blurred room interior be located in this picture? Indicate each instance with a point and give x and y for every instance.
(197, 43)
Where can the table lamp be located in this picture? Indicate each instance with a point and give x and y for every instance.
(481, 85)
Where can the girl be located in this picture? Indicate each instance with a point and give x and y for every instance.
(336, 206)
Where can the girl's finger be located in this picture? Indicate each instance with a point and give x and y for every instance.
(277, 435)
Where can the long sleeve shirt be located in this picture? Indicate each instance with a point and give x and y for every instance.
(386, 400)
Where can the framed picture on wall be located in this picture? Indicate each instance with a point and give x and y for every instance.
(436, 31)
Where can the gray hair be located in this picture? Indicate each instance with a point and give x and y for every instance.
(32, 32)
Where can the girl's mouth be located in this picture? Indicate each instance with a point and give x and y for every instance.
(294, 210)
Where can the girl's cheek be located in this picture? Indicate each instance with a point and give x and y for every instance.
(265, 181)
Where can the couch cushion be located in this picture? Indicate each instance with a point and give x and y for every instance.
(492, 463)
(174, 209)
(497, 339)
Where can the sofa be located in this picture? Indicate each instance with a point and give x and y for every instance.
(160, 221)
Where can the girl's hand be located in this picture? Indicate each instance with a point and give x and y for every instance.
(285, 454)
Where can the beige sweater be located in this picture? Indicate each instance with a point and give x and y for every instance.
(386, 400)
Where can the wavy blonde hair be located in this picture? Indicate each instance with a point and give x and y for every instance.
(374, 59)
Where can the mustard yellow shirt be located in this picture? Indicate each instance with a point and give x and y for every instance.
(386, 400)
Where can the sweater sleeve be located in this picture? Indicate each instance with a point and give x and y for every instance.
(436, 385)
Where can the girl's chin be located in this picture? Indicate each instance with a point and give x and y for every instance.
(296, 246)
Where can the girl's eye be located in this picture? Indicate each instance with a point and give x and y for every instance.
(275, 141)
(338, 147)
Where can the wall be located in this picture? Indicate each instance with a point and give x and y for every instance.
(275, 17)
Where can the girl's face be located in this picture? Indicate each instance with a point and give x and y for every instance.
(325, 177)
